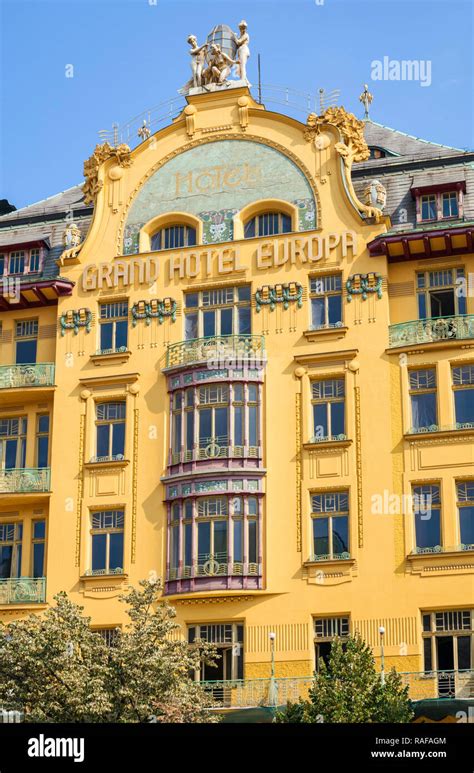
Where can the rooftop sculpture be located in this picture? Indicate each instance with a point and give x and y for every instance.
(224, 53)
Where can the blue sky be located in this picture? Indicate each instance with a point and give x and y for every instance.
(129, 56)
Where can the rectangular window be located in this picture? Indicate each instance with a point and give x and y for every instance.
(26, 341)
(12, 443)
(448, 638)
(221, 312)
(107, 542)
(465, 502)
(439, 296)
(38, 545)
(326, 301)
(463, 389)
(330, 525)
(450, 204)
(427, 513)
(328, 401)
(17, 263)
(11, 535)
(113, 318)
(330, 627)
(35, 261)
(228, 639)
(213, 413)
(423, 397)
(428, 207)
(42, 440)
(110, 431)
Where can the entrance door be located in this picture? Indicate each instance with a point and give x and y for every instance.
(322, 652)
(445, 661)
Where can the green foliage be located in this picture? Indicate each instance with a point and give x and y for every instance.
(58, 670)
(349, 690)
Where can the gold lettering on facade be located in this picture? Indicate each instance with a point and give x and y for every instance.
(217, 179)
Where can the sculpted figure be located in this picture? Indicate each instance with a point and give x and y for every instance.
(197, 59)
(243, 52)
(219, 66)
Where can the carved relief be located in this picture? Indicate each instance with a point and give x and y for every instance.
(93, 185)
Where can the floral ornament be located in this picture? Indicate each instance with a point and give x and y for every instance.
(155, 309)
(285, 294)
(73, 320)
(364, 285)
(218, 225)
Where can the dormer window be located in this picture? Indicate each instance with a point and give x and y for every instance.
(435, 202)
(20, 262)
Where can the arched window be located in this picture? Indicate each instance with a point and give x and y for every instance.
(173, 236)
(267, 224)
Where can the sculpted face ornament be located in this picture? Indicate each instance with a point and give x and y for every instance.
(213, 61)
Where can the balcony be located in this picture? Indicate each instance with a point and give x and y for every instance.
(211, 448)
(217, 351)
(29, 375)
(25, 480)
(242, 694)
(23, 590)
(430, 331)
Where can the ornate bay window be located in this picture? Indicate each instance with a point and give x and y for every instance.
(214, 542)
(215, 420)
(218, 312)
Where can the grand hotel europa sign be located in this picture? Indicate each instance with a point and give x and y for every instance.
(195, 263)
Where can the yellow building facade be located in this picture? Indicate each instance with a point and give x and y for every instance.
(262, 395)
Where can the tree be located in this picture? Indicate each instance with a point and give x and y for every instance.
(349, 689)
(56, 669)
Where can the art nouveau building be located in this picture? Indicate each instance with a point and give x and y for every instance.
(249, 371)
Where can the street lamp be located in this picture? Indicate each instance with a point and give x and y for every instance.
(382, 668)
(272, 690)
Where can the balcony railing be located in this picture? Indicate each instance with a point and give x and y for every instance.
(30, 375)
(27, 480)
(221, 351)
(23, 590)
(426, 331)
(213, 565)
(441, 428)
(442, 549)
(215, 448)
(249, 693)
(330, 557)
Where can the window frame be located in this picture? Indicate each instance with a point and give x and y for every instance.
(203, 307)
(110, 422)
(328, 401)
(107, 530)
(113, 320)
(329, 515)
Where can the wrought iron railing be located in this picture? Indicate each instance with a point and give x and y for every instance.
(213, 565)
(217, 351)
(328, 438)
(103, 572)
(23, 590)
(441, 428)
(330, 557)
(425, 331)
(25, 480)
(27, 375)
(240, 693)
(117, 350)
(214, 448)
(442, 549)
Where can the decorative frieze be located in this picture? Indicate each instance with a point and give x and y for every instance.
(154, 309)
(271, 295)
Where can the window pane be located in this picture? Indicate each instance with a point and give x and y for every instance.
(176, 444)
(121, 334)
(220, 538)
(103, 439)
(427, 655)
(337, 419)
(464, 652)
(6, 555)
(249, 230)
(421, 306)
(26, 351)
(116, 551)
(318, 316)
(209, 323)
(464, 405)
(252, 425)
(245, 327)
(99, 543)
(38, 559)
(191, 326)
(189, 430)
(221, 422)
(340, 535)
(39, 529)
(106, 336)
(244, 293)
(204, 538)
(427, 527)
(191, 300)
(11, 454)
(118, 439)
(238, 541)
(43, 444)
(423, 409)
(334, 309)
(43, 424)
(205, 424)
(238, 426)
(320, 420)
(321, 536)
(252, 525)
(175, 547)
(285, 224)
(226, 322)
(466, 525)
